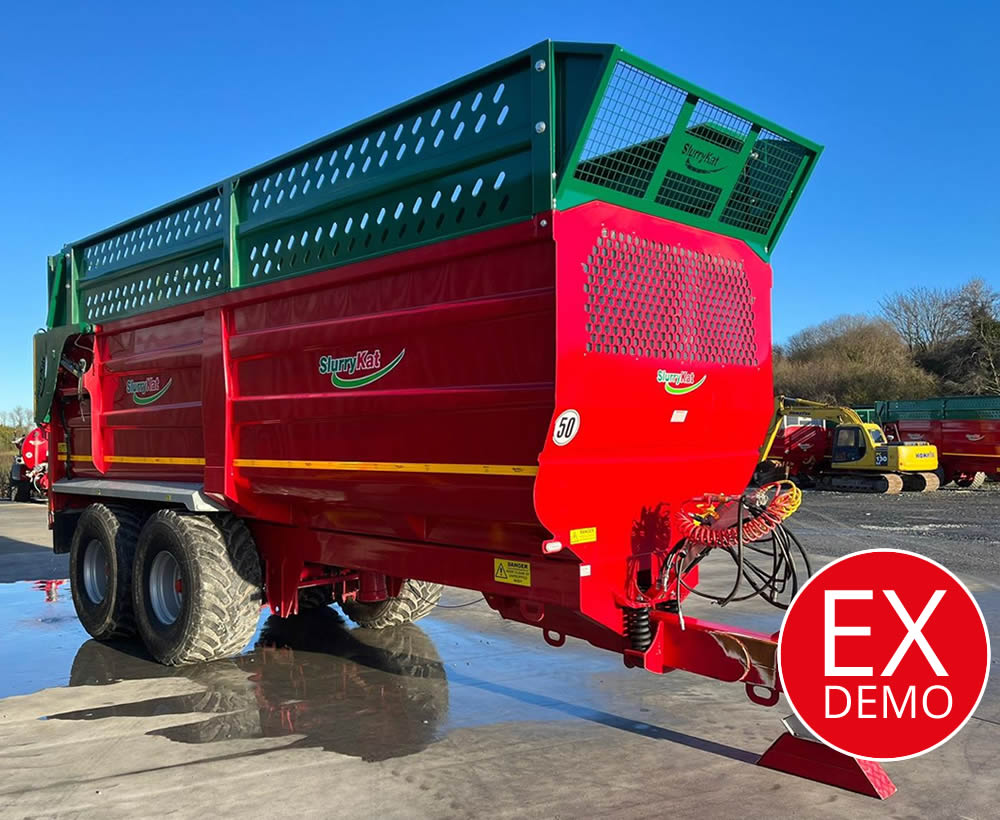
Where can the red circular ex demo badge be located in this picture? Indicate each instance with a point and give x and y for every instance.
(884, 654)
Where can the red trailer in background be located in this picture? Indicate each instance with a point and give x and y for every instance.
(965, 430)
(803, 449)
(482, 339)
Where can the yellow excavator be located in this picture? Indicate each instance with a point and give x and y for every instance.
(860, 458)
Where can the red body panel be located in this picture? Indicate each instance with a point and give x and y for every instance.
(391, 416)
(965, 446)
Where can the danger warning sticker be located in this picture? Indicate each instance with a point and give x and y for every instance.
(512, 572)
(583, 535)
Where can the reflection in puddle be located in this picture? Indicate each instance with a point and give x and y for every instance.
(373, 695)
(50, 588)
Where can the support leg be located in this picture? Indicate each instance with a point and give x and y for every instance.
(798, 752)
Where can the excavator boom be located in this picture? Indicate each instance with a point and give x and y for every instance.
(788, 406)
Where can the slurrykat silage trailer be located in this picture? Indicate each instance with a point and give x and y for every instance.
(481, 339)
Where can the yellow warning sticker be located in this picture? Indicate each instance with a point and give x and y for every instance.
(584, 535)
(512, 572)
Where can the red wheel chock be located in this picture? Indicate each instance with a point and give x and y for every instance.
(797, 752)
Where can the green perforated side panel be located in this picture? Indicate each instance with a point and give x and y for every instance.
(154, 286)
(983, 408)
(458, 163)
(172, 258)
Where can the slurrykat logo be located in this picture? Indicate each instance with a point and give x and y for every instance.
(677, 384)
(699, 161)
(363, 360)
(148, 390)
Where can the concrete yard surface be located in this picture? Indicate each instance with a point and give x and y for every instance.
(461, 715)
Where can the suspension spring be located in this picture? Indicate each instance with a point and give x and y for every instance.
(638, 629)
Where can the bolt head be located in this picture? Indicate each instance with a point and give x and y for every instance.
(543, 223)
(540, 65)
(539, 127)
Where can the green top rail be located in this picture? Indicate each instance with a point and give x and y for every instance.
(554, 126)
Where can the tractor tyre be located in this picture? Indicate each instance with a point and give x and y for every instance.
(100, 569)
(196, 587)
(973, 482)
(20, 491)
(415, 600)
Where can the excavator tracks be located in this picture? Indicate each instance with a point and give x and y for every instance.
(882, 483)
(921, 482)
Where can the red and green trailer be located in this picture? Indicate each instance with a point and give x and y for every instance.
(965, 430)
(482, 339)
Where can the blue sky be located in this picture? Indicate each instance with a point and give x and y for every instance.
(109, 109)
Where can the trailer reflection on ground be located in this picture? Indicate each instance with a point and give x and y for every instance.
(369, 694)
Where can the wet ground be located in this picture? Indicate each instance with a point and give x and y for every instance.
(462, 715)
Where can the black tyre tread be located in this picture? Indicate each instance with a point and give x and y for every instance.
(20, 492)
(415, 600)
(225, 618)
(125, 524)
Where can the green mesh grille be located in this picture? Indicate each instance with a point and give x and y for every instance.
(763, 183)
(716, 125)
(627, 137)
(689, 195)
(657, 144)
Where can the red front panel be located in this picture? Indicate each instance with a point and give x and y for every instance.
(664, 354)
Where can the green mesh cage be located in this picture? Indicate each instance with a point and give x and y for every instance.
(552, 127)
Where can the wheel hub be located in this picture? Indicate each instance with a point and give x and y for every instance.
(95, 572)
(166, 589)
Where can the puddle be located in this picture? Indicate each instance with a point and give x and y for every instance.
(325, 685)
(373, 695)
(39, 635)
(312, 678)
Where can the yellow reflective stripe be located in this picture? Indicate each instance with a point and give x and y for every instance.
(972, 455)
(197, 462)
(350, 466)
(389, 467)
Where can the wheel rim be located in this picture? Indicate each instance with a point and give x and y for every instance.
(165, 588)
(95, 572)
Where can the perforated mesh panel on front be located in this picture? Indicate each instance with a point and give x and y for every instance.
(656, 300)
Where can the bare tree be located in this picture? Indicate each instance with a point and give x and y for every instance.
(18, 418)
(986, 337)
(926, 317)
(850, 360)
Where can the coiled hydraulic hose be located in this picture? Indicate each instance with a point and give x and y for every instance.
(696, 517)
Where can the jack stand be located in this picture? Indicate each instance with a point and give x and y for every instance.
(798, 752)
